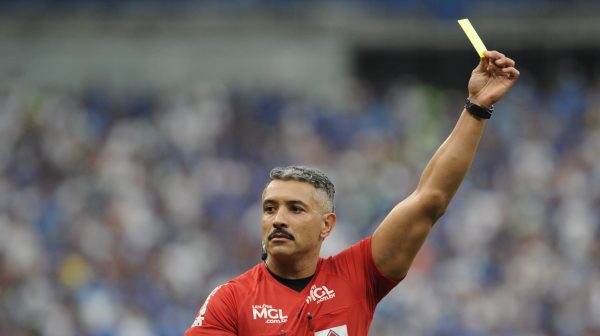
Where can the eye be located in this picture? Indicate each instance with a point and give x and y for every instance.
(268, 209)
(296, 209)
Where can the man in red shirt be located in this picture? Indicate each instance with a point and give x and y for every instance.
(294, 291)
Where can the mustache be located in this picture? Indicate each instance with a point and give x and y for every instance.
(280, 231)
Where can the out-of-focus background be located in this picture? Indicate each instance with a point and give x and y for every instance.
(136, 137)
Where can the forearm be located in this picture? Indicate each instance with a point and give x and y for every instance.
(449, 165)
(402, 233)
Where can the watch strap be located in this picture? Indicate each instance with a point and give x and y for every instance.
(478, 111)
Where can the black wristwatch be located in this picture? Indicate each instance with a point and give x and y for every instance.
(478, 111)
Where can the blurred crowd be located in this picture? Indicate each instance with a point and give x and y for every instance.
(426, 8)
(119, 213)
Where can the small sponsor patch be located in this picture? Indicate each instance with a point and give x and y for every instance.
(336, 331)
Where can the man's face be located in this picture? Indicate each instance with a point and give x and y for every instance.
(293, 218)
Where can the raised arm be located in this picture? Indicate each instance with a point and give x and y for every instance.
(397, 240)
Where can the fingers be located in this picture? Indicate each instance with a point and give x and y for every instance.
(511, 72)
(483, 65)
(493, 54)
(504, 62)
(498, 61)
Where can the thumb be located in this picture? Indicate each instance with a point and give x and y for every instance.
(483, 65)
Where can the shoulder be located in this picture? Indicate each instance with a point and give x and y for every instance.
(250, 277)
(240, 284)
(360, 249)
(355, 262)
(349, 262)
(223, 300)
(246, 281)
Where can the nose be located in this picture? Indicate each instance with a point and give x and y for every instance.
(279, 226)
(280, 219)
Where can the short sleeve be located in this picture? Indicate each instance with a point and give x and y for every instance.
(358, 266)
(217, 316)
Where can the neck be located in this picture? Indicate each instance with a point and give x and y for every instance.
(293, 269)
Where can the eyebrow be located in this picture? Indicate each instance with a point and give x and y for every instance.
(288, 203)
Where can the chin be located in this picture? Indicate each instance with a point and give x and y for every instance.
(280, 251)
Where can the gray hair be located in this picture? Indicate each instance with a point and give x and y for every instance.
(309, 175)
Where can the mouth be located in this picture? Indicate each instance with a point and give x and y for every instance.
(279, 234)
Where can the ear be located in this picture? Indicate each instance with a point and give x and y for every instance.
(327, 224)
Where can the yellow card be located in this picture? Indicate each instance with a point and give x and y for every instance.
(472, 35)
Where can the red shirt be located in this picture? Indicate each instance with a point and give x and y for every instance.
(339, 300)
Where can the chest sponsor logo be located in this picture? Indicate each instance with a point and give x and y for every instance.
(336, 331)
(320, 294)
(268, 313)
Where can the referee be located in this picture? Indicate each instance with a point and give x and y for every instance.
(296, 292)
